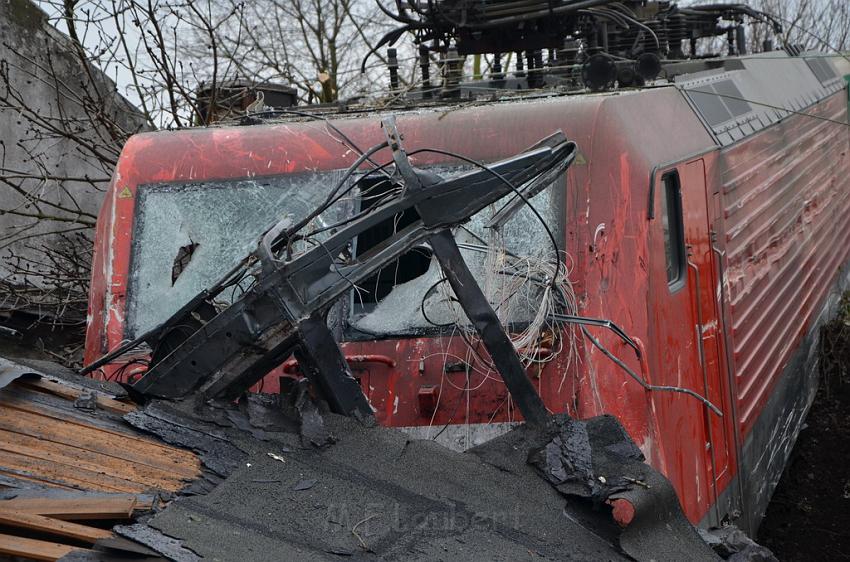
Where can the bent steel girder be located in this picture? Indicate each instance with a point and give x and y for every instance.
(283, 313)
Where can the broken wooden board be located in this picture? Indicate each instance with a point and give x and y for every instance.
(51, 526)
(45, 439)
(34, 521)
(71, 393)
(70, 462)
(120, 506)
(34, 549)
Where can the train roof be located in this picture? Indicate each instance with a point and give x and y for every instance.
(742, 95)
(733, 97)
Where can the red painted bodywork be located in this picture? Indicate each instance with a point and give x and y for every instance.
(786, 235)
(772, 213)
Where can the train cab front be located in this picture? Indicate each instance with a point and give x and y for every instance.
(186, 207)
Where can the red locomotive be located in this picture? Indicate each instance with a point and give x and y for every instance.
(706, 217)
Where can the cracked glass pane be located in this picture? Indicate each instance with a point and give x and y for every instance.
(424, 303)
(187, 236)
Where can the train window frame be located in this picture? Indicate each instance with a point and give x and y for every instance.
(673, 230)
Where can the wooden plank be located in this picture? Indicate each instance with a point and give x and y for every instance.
(119, 506)
(20, 402)
(151, 477)
(71, 393)
(24, 418)
(67, 473)
(51, 526)
(33, 549)
(145, 447)
(42, 482)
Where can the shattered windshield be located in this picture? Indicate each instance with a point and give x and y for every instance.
(187, 236)
(410, 295)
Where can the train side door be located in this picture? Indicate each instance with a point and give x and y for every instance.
(687, 333)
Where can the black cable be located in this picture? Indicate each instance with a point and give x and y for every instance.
(119, 372)
(422, 305)
(774, 107)
(585, 321)
(413, 153)
(322, 118)
(348, 190)
(457, 405)
(335, 265)
(518, 193)
(815, 36)
(499, 407)
(330, 199)
(346, 221)
(352, 186)
(356, 216)
(643, 383)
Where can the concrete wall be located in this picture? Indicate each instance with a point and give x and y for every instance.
(29, 41)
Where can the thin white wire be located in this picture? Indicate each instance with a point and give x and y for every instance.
(515, 285)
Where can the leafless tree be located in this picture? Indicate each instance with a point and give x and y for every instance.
(91, 73)
(69, 121)
(315, 45)
(814, 24)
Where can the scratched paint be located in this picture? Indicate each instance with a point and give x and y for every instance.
(617, 262)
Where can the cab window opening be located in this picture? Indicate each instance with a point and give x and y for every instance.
(408, 266)
(672, 225)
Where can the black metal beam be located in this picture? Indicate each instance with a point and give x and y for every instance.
(486, 323)
(282, 313)
(323, 362)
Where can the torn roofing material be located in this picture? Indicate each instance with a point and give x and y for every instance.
(371, 493)
(597, 460)
(375, 495)
(361, 492)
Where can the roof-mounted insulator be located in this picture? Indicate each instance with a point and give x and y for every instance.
(425, 69)
(497, 67)
(392, 65)
(452, 73)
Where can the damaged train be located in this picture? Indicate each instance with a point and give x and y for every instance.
(672, 271)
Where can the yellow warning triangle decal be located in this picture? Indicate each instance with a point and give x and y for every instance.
(580, 160)
(125, 193)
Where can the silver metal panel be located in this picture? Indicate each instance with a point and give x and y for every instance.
(737, 103)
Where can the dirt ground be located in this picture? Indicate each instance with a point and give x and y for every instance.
(809, 517)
